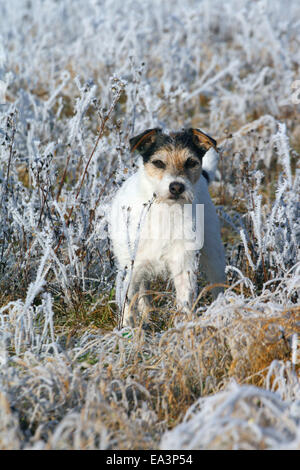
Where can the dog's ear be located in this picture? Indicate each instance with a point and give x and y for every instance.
(145, 141)
(202, 140)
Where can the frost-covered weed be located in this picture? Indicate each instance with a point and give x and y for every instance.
(75, 83)
(241, 417)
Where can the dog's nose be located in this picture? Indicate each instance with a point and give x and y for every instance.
(176, 188)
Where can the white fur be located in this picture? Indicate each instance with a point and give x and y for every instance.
(141, 204)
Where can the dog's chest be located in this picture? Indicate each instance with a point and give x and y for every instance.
(147, 230)
(156, 233)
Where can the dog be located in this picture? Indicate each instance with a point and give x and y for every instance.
(148, 221)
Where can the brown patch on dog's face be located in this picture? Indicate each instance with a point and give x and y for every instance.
(175, 162)
(153, 140)
(176, 155)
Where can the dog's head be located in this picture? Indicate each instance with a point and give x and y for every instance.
(172, 162)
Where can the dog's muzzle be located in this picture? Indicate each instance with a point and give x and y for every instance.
(176, 189)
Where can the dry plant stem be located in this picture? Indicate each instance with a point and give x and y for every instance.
(43, 203)
(92, 211)
(120, 324)
(100, 135)
(207, 289)
(10, 156)
(63, 178)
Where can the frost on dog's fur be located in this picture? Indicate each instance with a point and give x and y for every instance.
(75, 85)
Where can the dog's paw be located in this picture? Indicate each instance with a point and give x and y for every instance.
(184, 307)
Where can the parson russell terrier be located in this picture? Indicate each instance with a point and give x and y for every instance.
(162, 218)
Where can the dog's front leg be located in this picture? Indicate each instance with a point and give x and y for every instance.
(134, 299)
(185, 284)
(144, 303)
(185, 290)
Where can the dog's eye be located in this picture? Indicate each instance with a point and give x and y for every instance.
(191, 163)
(159, 164)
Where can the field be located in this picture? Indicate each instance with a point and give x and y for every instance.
(77, 79)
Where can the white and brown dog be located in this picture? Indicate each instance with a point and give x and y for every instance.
(154, 227)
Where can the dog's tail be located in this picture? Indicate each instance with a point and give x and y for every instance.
(209, 164)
